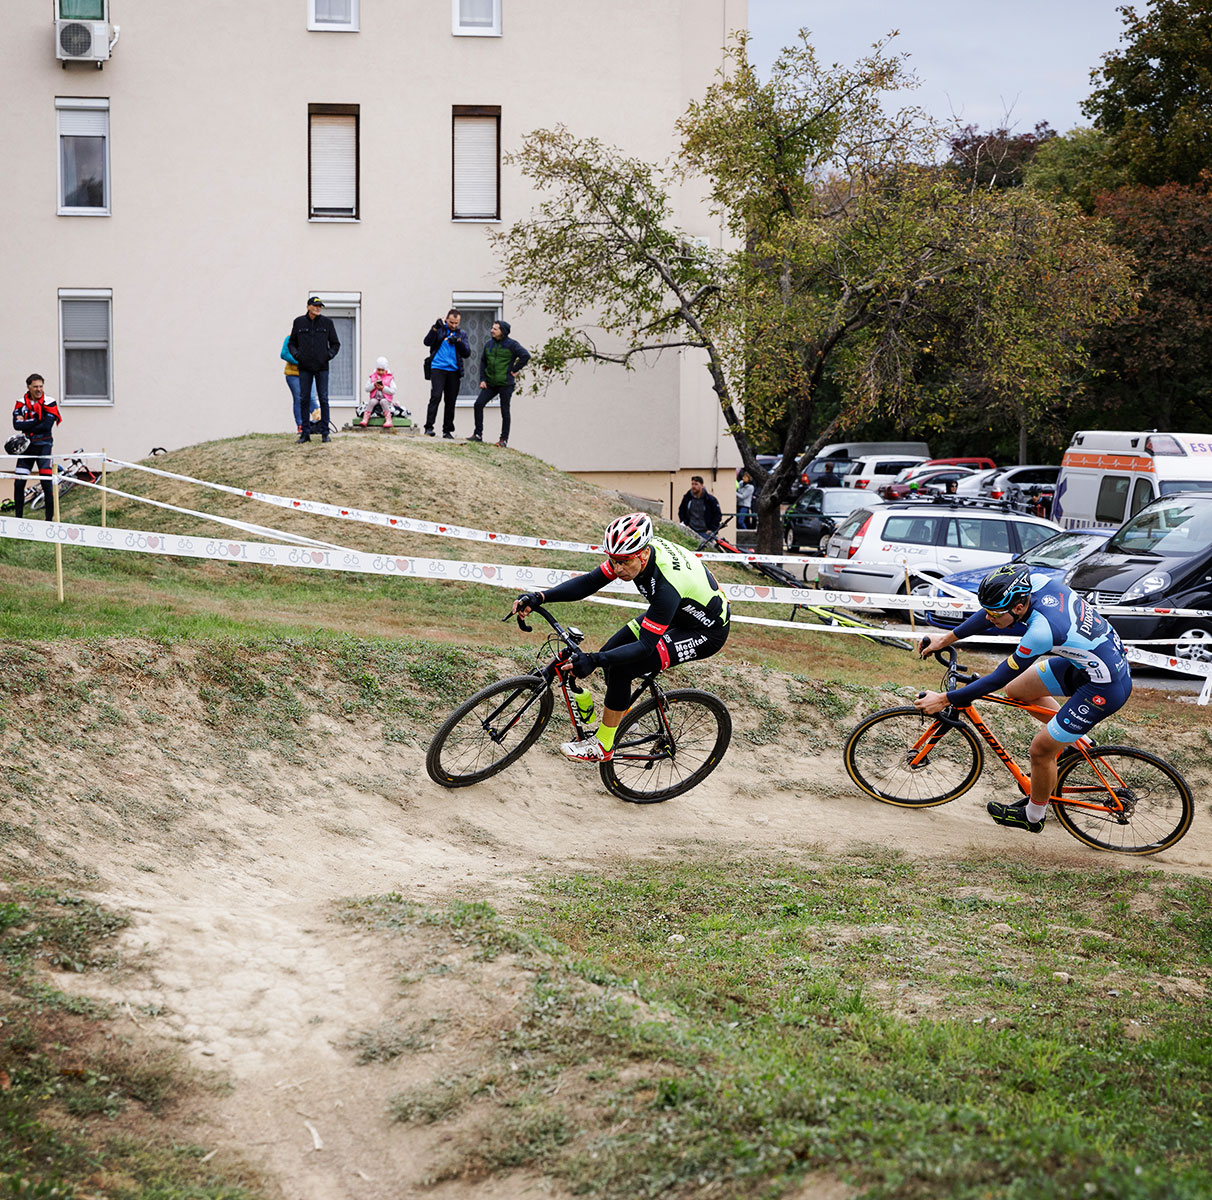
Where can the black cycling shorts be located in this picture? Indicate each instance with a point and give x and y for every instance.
(673, 646)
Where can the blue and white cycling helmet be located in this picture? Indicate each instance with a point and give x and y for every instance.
(1004, 587)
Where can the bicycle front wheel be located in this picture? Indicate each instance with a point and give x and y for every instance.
(488, 732)
(901, 757)
(1123, 799)
(664, 749)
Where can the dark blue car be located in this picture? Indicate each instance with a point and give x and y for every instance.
(1054, 556)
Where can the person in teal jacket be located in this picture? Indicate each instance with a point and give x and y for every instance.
(500, 363)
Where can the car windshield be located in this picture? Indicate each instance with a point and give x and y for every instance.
(1175, 530)
(1063, 549)
(1170, 486)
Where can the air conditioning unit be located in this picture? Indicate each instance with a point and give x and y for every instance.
(83, 41)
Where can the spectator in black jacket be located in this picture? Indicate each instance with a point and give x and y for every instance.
(448, 347)
(36, 414)
(699, 509)
(314, 344)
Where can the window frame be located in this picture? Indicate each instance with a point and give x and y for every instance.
(493, 302)
(336, 110)
(79, 104)
(354, 25)
(479, 111)
(1109, 491)
(69, 294)
(457, 29)
(353, 302)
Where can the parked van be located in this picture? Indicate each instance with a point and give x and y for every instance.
(844, 452)
(1109, 475)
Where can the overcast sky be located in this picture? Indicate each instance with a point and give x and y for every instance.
(976, 59)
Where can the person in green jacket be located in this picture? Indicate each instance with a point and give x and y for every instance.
(500, 363)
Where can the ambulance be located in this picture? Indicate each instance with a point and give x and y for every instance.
(1109, 475)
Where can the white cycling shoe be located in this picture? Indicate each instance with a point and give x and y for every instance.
(590, 750)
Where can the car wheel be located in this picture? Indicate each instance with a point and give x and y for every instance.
(1195, 643)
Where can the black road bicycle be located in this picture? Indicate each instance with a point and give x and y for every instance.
(665, 745)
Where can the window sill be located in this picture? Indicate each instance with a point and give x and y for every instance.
(82, 212)
(334, 220)
(333, 29)
(475, 220)
(475, 33)
(87, 403)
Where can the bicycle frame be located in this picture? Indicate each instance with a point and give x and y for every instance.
(934, 733)
(558, 671)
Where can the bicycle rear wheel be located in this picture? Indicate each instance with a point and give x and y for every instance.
(901, 757)
(662, 750)
(1156, 801)
(489, 731)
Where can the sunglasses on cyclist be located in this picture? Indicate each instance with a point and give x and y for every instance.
(622, 558)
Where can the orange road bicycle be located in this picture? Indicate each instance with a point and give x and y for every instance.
(1110, 797)
(665, 745)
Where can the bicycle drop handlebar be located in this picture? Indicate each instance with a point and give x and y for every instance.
(571, 638)
(956, 674)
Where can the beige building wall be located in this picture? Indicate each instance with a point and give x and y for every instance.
(209, 251)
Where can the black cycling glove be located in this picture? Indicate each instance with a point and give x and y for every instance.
(583, 664)
(529, 600)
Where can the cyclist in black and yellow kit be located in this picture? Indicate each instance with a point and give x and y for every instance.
(687, 619)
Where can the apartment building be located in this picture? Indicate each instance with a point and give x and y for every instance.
(179, 178)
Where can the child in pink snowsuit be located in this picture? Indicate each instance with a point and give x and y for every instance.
(381, 387)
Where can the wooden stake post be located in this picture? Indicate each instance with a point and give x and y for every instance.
(58, 544)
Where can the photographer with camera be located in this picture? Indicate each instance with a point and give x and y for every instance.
(448, 346)
(35, 416)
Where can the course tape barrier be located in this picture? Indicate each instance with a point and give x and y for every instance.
(231, 523)
(495, 574)
(432, 528)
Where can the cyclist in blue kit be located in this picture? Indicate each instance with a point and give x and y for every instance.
(1089, 669)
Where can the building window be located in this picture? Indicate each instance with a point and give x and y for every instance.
(475, 18)
(83, 156)
(85, 337)
(480, 310)
(344, 310)
(477, 163)
(335, 16)
(82, 10)
(332, 160)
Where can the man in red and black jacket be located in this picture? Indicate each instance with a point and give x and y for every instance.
(36, 414)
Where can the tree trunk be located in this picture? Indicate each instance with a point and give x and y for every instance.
(1022, 438)
(769, 536)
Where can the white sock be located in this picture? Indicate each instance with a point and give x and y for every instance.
(1036, 812)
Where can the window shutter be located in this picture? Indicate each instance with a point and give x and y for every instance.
(83, 122)
(477, 14)
(86, 321)
(334, 12)
(334, 165)
(475, 167)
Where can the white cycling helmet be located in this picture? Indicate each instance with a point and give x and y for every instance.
(627, 535)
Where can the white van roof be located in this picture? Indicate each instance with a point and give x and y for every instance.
(858, 449)
(1144, 442)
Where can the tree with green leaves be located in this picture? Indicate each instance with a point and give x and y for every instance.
(1153, 99)
(849, 250)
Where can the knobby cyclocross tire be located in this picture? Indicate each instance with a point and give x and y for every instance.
(884, 756)
(650, 765)
(1157, 801)
(488, 732)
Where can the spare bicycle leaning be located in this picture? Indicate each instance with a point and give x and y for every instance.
(665, 745)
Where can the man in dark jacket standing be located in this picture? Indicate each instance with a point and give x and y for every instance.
(314, 344)
(36, 414)
(448, 347)
(500, 363)
(699, 509)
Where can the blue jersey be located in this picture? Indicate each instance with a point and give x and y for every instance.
(1059, 622)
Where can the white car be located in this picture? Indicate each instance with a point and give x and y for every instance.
(900, 547)
(872, 471)
(997, 485)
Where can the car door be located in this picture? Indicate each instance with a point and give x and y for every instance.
(974, 542)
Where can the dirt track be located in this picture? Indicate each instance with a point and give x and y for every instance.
(231, 866)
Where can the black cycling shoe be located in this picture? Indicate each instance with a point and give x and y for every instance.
(1014, 815)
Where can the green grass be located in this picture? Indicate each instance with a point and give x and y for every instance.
(971, 1028)
(65, 1082)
